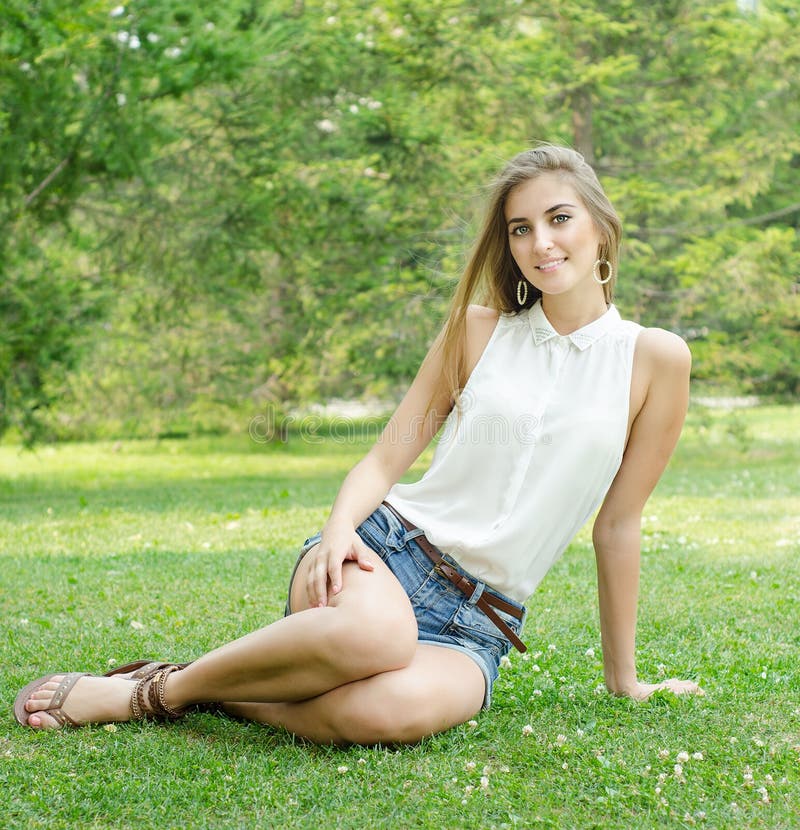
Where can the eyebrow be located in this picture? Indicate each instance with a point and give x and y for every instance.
(548, 211)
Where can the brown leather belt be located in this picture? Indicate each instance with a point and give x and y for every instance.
(466, 586)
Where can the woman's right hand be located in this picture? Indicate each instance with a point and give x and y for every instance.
(340, 543)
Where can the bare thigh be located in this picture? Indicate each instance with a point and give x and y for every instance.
(438, 689)
(370, 623)
(380, 582)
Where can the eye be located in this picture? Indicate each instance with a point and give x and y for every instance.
(560, 218)
(520, 230)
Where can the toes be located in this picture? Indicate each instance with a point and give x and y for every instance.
(42, 697)
(42, 721)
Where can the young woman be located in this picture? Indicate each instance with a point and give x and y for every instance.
(401, 608)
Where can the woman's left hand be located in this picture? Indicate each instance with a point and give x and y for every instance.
(642, 691)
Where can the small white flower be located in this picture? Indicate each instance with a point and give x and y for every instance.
(26, 67)
(468, 789)
(137, 625)
(561, 740)
(663, 754)
(484, 782)
(505, 662)
(361, 761)
(527, 730)
(353, 108)
(123, 37)
(682, 757)
(326, 126)
(173, 52)
(342, 769)
(110, 727)
(121, 101)
(580, 733)
(374, 105)
(535, 668)
(565, 765)
(469, 766)
(134, 42)
(697, 756)
(23, 621)
(658, 790)
(117, 11)
(536, 693)
(209, 27)
(764, 794)
(551, 647)
(331, 21)
(590, 652)
(472, 723)
(678, 770)
(152, 37)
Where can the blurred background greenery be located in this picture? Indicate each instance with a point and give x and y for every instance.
(211, 210)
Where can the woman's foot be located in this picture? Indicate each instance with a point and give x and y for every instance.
(79, 699)
(89, 700)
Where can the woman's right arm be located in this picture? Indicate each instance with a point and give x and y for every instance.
(403, 439)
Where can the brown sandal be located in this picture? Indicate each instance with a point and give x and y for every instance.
(147, 698)
(61, 693)
(147, 670)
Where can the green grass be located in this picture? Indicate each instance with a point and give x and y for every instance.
(116, 552)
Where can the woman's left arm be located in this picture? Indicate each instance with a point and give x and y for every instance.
(664, 361)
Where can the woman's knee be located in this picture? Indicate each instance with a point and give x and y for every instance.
(380, 636)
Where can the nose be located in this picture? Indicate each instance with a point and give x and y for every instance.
(542, 242)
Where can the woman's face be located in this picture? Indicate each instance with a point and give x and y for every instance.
(552, 235)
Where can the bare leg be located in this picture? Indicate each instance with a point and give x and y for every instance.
(368, 628)
(439, 689)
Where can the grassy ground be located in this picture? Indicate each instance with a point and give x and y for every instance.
(116, 552)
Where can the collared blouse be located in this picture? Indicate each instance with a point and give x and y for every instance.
(531, 451)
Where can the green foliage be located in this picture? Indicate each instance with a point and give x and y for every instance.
(273, 200)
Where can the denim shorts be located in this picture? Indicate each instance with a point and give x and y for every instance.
(445, 616)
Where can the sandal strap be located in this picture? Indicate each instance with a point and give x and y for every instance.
(148, 698)
(157, 697)
(142, 669)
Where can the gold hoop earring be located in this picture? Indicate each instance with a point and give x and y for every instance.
(596, 271)
(522, 296)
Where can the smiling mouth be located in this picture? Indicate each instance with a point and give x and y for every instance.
(551, 264)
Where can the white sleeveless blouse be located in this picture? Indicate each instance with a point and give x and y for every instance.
(541, 435)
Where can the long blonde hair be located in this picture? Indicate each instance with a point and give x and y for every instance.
(491, 273)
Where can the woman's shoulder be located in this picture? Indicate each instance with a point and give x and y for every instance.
(478, 313)
(481, 323)
(663, 351)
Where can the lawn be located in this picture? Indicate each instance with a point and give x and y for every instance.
(112, 552)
